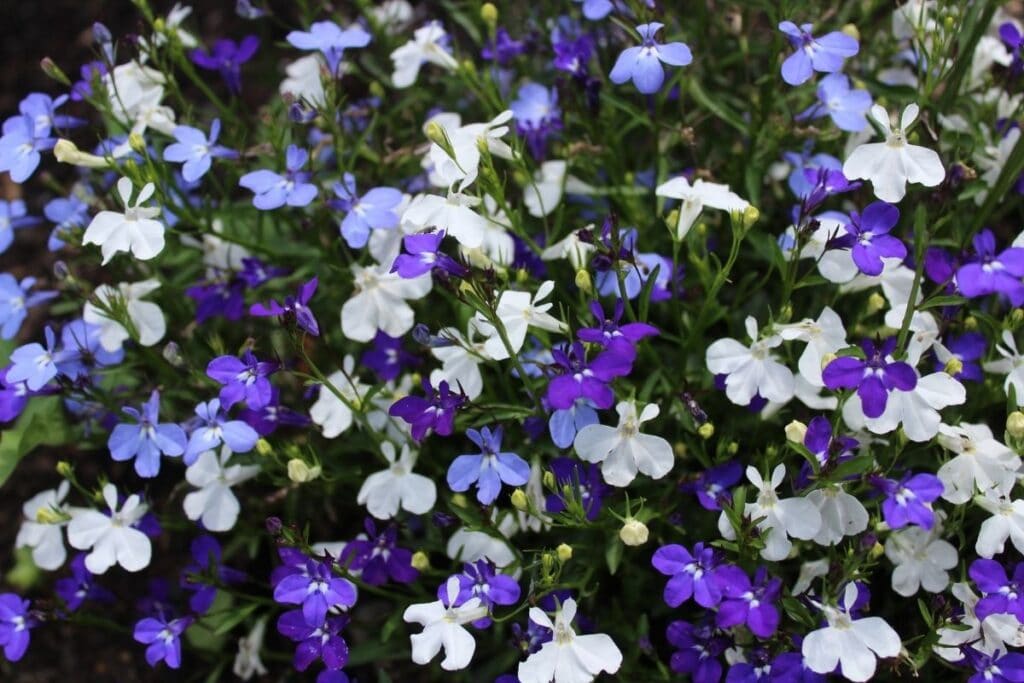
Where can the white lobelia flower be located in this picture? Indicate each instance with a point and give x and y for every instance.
(379, 302)
(460, 360)
(550, 183)
(996, 632)
(42, 529)
(993, 159)
(693, 199)
(896, 280)
(572, 248)
(393, 16)
(835, 265)
(534, 490)
(464, 143)
(623, 450)
(852, 644)
(427, 46)
(926, 333)
(145, 316)
(922, 560)
(470, 546)
(780, 519)
(1011, 364)
(916, 410)
(384, 492)
(444, 627)
(133, 231)
(890, 165)
(497, 246)
(453, 214)
(247, 661)
(1006, 522)
(304, 80)
(214, 503)
(135, 92)
(568, 657)
(809, 571)
(981, 463)
(111, 539)
(823, 336)
(841, 514)
(517, 312)
(334, 413)
(751, 370)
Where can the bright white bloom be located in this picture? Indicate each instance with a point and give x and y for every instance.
(444, 627)
(1011, 364)
(853, 644)
(992, 160)
(982, 463)
(135, 92)
(751, 370)
(796, 517)
(45, 517)
(823, 336)
(809, 571)
(329, 411)
(470, 546)
(427, 45)
(544, 194)
(835, 265)
(247, 661)
(896, 280)
(841, 514)
(1006, 522)
(517, 312)
(922, 560)
(534, 490)
(623, 450)
(693, 199)
(384, 492)
(568, 657)
(112, 539)
(453, 214)
(379, 302)
(465, 144)
(134, 230)
(214, 503)
(304, 80)
(172, 24)
(890, 165)
(146, 317)
(571, 247)
(460, 360)
(996, 632)
(913, 17)
(917, 410)
(497, 246)
(392, 15)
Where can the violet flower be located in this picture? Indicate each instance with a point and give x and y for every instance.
(377, 556)
(80, 586)
(243, 379)
(273, 190)
(163, 638)
(227, 58)
(871, 239)
(214, 429)
(147, 438)
(489, 468)
(748, 603)
(375, 210)
(196, 151)
(836, 99)
(873, 378)
(825, 54)
(580, 379)
(479, 580)
(909, 500)
(15, 623)
(712, 486)
(992, 273)
(317, 590)
(692, 574)
(537, 116)
(1000, 594)
(295, 309)
(698, 648)
(585, 481)
(320, 642)
(608, 332)
(205, 573)
(433, 412)
(330, 40)
(642, 64)
(423, 255)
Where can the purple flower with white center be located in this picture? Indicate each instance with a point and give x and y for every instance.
(81, 351)
(295, 309)
(565, 422)
(1000, 594)
(218, 298)
(643, 63)
(748, 603)
(838, 100)
(712, 486)
(163, 638)
(479, 580)
(267, 419)
(205, 573)
(693, 574)
(826, 450)
(273, 190)
(15, 622)
(13, 216)
(255, 272)
(318, 591)
(15, 300)
(581, 379)
(80, 586)
(873, 378)
(215, 429)
(377, 556)
(243, 379)
(20, 147)
(871, 239)
(433, 412)
(227, 58)
(69, 215)
(573, 55)
(33, 363)
(909, 500)
(13, 396)
(537, 116)
(586, 482)
(823, 183)
(423, 255)
(503, 49)
(825, 54)
(42, 109)
(609, 333)
(991, 273)
(375, 210)
(387, 358)
(489, 468)
(147, 438)
(196, 151)
(1014, 41)
(968, 348)
(803, 161)
(330, 40)
(698, 648)
(998, 667)
(320, 642)
(756, 669)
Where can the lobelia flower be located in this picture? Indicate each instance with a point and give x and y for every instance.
(295, 308)
(215, 429)
(244, 379)
(273, 190)
(227, 58)
(748, 603)
(981, 463)
(33, 363)
(388, 358)
(384, 492)
(303, 82)
(874, 378)
(375, 210)
(537, 116)
(21, 145)
(712, 485)
(16, 298)
(1011, 364)
(13, 216)
(694, 198)
(825, 54)
(568, 657)
(1006, 522)
(990, 634)
(780, 519)
(550, 182)
(112, 538)
(992, 273)
(922, 560)
(751, 370)
(163, 638)
(81, 352)
(247, 662)
(487, 469)
(433, 412)
(214, 504)
(330, 40)
(205, 573)
(145, 317)
(196, 151)
(623, 450)
(871, 239)
(841, 514)
(479, 580)
(609, 333)
(80, 586)
(443, 627)
(693, 574)
(429, 45)
(642, 64)
(916, 410)
(999, 667)
(319, 642)
(422, 256)
(698, 649)
(517, 312)
(823, 336)
(852, 644)
(890, 165)
(45, 516)
(317, 590)
(584, 482)
(1000, 594)
(590, 381)
(379, 302)
(565, 423)
(836, 99)
(377, 557)
(909, 500)
(595, 10)
(461, 358)
(147, 438)
(15, 622)
(458, 160)
(968, 348)
(133, 231)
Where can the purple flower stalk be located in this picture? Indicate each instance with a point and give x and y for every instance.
(643, 63)
(873, 378)
(693, 574)
(227, 58)
(909, 500)
(825, 54)
(243, 379)
(295, 309)
(147, 438)
(273, 190)
(489, 468)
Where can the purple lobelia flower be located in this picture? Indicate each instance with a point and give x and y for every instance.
(479, 580)
(537, 116)
(1014, 41)
(871, 239)
(433, 412)
(789, 667)
(267, 419)
(698, 648)
(375, 210)
(196, 151)
(997, 667)
(609, 333)
(643, 63)
(147, 438)
(580, 379)
(748, 603)
(320, 642)
(836, 99)
(564, 423)
(80, 586)
(21, 145)
(243, 379)
(968, 348)
(573, 54)
(712, 485)
(377, 556)
(330, 40)
(34, 364)
(81, 351)
(825, 54)
(489, 468)
(503, 49)
(822, 183)
(991, 273)
(205, 573)
(804, 161)
(15, 622)
(908, 501)
(163, 638)
(1000, 594)
(826, 449)
(584, 480)
(693, 574)
(214, 429)
(873, 377)
(422, 255)
(273, 190)
(227, 58)
(317, 590)
(387, 358)
(295, 309)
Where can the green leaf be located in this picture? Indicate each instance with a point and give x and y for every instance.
(946, 300)
(234, 619)
(42, 424)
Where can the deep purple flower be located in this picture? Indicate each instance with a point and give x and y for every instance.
(1014, 42)
(1000, 594)
(642, 63)
(387, 358)
(433, 412)
(315, 642)
(478, 579)
(205, 573)
(273, 190)
(147, 438)
(909, 500)
(503, 49)
(377, 556)
(267, 419)
(992, 273)
(825, 448)
(89, 73)
(693, 575)
(586, 482)
(789, 667)
(227, 57)
(823, 183)
(871, 239)
(697, 651)
(295, 308)
(581, 379)
(873, 378)
(375, 210)
(214, 429)
(712, 485)
(825, 54)
(748, 603)
(800, 184)
(998, 667)
(573, 55)
(330, 40)
(80, 586)
(317, 590)
(756, 669)
(489, 468)
(609, 333)
(845, 106)
(423, 255)
(15, 622)
(537, 116)
(220, 297)
(242, 379)
(968, 348)
(163, 638)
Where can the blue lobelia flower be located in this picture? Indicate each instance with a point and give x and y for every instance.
(295, 309)
(33, 363)
(992, 273)
(908, 501)
(537, 116)
(15, 300)
(330, 40)
(825, 54)
(20, 147)
(15, 622)
(489, 468)
(214, 429)
(375, 210)
(195, 151)
(163, 638)
(242, 379)
(642, 63)
(871, 239)
(873, 378)
(227, 57)
(147, 438)
(595, 10)
(317, 590)
(13, 216)
(273, 190)
(68, 214)
(846, 106)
